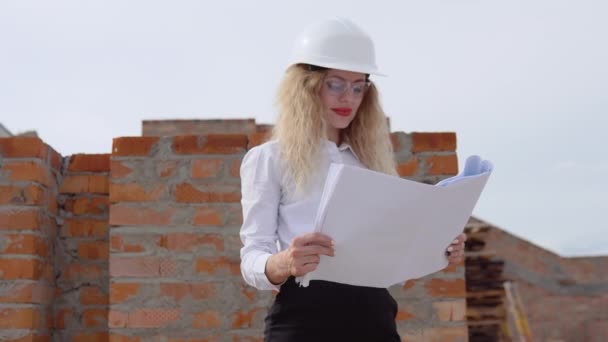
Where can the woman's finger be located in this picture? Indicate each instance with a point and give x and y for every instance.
(309, 259)
(314, 250)
(313, 239)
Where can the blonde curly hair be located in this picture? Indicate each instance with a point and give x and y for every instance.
(300, 127)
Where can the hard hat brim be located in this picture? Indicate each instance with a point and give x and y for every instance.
(364, 69)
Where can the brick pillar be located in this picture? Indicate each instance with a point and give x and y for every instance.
(81, 302)
(432, 308)
(174, 258)
(29, 176)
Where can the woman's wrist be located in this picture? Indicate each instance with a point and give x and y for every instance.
(276, 272)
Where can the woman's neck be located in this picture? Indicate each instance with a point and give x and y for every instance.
(333, 134)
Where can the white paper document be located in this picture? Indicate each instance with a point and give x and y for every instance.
(387, 229)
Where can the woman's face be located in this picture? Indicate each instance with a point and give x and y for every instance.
(341, 96)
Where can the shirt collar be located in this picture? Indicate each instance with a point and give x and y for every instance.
(344, 145)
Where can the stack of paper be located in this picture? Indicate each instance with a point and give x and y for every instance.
(387, 229)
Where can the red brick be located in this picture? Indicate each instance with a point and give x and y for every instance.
(409, 284)
(21, 269)
(117, 319)
(210, 144)
(121, 215)
(93, 295)
(441, 165)
(257, 138)
(205, 168)
(84, 184)
(124, 338)
(119, 170)
(133, 192)
(87, 205)
(196, 291)
(403, 315)
(28, 219)
(235, 168)
(143, 318)
(217, 265)
(93, 250)
(205, 216)
(82, 272)
(24, 244)
(396, 141)
(31, 194)
(249, 293)
(28, 171)
(90, 337)
(427, 142)
(62, 316)
(121, 292)
(450, 311)
(42, 337)
(186, 242)
(51, 201)
(20, 318)
(118, 244)
(142, 266)
(445, 334)
(23, 147)
(187, 193)
(23, 293)
(133, 146)
(408, 168)
(243, 319)
(89, 163)
(92, 318)
(77, 227)
(446, 287)
(55, 160)
(207, 320)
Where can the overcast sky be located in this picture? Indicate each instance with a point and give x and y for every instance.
(522, 83)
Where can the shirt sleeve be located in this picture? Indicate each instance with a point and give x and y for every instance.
(260, 197)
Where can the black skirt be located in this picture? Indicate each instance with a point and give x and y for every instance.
(328, 311)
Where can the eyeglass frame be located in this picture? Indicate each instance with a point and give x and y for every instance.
(311, 67)
(348, 85)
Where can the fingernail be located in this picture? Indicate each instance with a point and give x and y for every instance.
(455, 241)
(450, 249)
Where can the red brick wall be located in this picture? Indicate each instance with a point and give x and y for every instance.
(29, 178)
(147, 242)
(81, 300)
(198, 127)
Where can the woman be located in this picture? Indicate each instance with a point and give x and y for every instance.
(329, 112)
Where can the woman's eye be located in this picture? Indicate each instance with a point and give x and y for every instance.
(334, 85)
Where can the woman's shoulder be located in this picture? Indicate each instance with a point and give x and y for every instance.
(268, 150)
(265, 156)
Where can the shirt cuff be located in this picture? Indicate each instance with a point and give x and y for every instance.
(259, 270)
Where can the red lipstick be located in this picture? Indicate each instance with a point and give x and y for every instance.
(342, 111)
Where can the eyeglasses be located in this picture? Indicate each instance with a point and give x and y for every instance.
(338, 86)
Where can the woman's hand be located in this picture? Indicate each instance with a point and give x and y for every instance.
(302, 256)
(455, 252)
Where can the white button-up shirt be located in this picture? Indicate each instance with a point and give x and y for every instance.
(271, 218)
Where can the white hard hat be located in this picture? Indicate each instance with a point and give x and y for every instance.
(336, 44)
